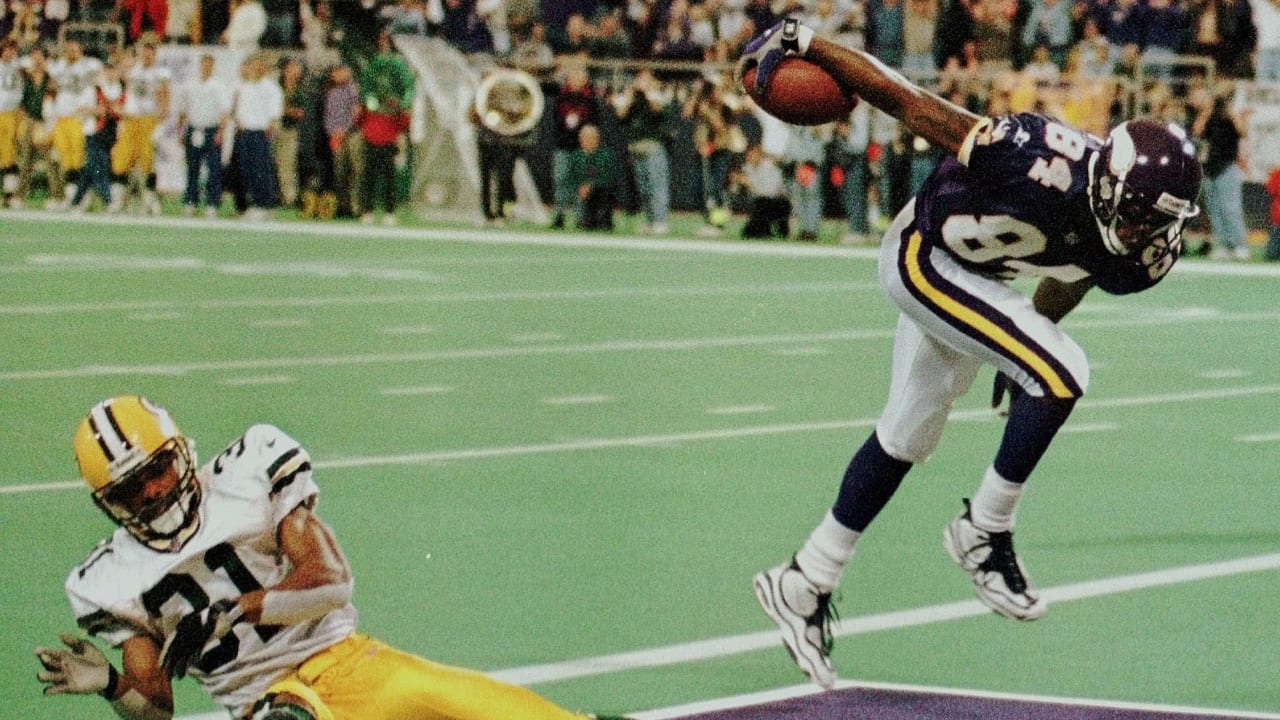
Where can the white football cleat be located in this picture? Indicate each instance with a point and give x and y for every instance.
(804, 615)
(998, 576)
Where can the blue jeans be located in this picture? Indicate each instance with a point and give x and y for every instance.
(1224, 201)
(207, 156)
(652, 170)
(1273, 243)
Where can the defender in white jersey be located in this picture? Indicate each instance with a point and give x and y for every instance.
(226, 573)
(74, 74)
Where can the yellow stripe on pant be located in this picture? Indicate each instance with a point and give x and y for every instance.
(949, 305)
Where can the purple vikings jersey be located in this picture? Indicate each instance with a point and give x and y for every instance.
(1016, 203)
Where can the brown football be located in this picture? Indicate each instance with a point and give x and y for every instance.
(801, 93)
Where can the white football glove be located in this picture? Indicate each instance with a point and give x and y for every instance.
(81, 670)
(786, 39)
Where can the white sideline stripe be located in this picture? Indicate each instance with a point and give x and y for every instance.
(749, 642)
(740, 409)
(1089, 427)
(416, 390)
(330, 301)
(290, 229)
(610, 346)
(795, 691)
(587, 444)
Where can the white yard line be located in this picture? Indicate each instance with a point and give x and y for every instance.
(668, 439)
(423, 299)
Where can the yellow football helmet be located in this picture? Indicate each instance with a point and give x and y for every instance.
(142, 471)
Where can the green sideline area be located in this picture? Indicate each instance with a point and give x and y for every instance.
(538, 449)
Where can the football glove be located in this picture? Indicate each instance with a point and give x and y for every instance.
(82, 669)
(1002, 385)
(194, 631)
(786, 39)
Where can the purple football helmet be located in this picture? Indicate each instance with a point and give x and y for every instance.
(1143, 185)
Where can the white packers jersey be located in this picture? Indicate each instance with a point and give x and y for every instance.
(125, 589)
(143, 85)
(75, 84)
(10, 85)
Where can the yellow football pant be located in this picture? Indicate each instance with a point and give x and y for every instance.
(8, 137)
(68, 140)
(363, 679)
(133, 145)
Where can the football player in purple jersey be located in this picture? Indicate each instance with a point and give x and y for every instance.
(1018, 195)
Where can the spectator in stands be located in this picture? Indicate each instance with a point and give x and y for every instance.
(205, 103)
(1223, 31)
(284, 146)
(493, 15)
(643, 23)
(1091, 53)
(769, 210)
(145, 16)
(674, 40)
(259, 104)
(803, 154)
(610, 39)
(34, 132)
(713, 106)
(146, 102)
(341, 105)
(246, 26)
(10, 119)
(1166, 37)
(282, 23)
(575, 105)
(848, 156)
(957, 25)
(407, 17)
(1219, 130)
(644, 108)
(885, 31)
(100, 134)
(1266, 20)
(572, 38)
(317, 34)
(1050, 26)
(1273, 233)
(919, 25)
(387, 89)
(594, 172)
(531, 52)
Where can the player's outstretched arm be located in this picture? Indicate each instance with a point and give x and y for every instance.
(141, 692)
(943, 123)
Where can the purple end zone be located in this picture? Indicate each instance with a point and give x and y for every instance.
(878, 704)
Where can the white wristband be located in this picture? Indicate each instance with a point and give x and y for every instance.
(290, 607)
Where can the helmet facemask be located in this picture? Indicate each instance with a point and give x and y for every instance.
(156, 500)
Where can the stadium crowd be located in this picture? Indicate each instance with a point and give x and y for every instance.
(338, 134)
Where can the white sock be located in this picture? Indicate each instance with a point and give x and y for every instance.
(826, 552)
(996, 503)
